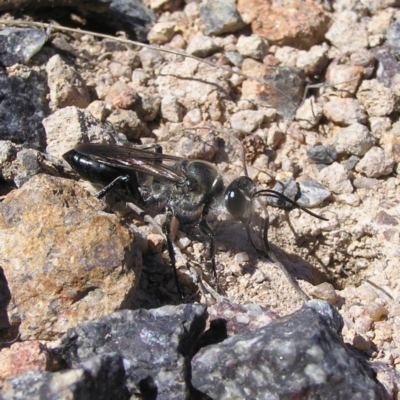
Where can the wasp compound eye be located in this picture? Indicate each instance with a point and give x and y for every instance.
(235, 202)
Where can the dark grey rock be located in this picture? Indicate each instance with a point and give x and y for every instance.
(5, 297)
(388, 66)
(299, 356)
(393, 37)
(322, 154)
(289, 189)
(27, 163)
(312, 194)
(351, 162)
(220, 16)
(100, 378)
(133, 15)
(235, 58)
(156, 346)
(19, 45)
(23, 106)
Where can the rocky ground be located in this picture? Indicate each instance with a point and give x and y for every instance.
(340, 143)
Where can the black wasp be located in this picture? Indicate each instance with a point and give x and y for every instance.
(187, 189)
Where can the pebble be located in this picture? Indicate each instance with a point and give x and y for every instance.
(376, 163)
(128, 123)
(352, 199)
(99, 109)
(376, 98)
(361, 343)
(139, 77)
(71, 125)
(220, 16)
(325, 291)
(322, 154)
(344, 111)
(150, 59)
(246, 121)
(363, 324)
(346, 33)
(121, 96)
(171, 110)
(335, 178)
(312, 194)
(314, 60)
(365, 183)
(67, 88)
(298, 24)
(288, 187)
(161, 32)
(201, 46)
(376, 311)
(235, 58)
(252, 46)
(147, 105)
(351, 162)
(165, 5)
(117, 70)
(193, 117)
(393, 36)
(309, 114)
(344, 78)
(354, 139)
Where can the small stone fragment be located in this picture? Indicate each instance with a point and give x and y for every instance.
(171, 110)
(309, 114)
(376, 163)
(344, 78)
(325, 291)
(335, 178)
(128, 123)
(376, 311)
(312, 194)
(220, 16)
(347, 33)
(24, 357)
(99, 109)
(67, 88)
(246, 121)
(314, 60)
(252, 46)
(121, 96)
(161, 32)
(354, 139)
(376, 98)
(344, 111)
(71, 125)
(201, 46)
(361, 343)
(322, 154)
(297, 24)
(151, 60)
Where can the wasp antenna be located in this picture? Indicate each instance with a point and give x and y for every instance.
(273, 193)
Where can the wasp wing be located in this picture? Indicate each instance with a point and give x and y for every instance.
(132, 158)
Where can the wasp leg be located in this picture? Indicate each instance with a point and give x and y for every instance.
(205, 228)
(126, 180)
(166, 228)
(265, 233)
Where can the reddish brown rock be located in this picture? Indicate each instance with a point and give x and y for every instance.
(299, 24)
(65, 260)
(121, 96)
(24, 357)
